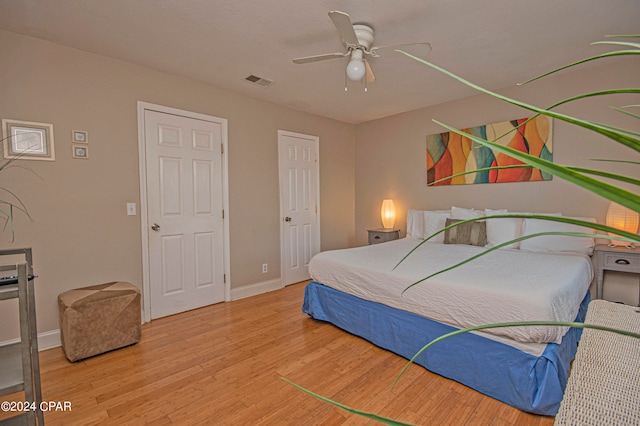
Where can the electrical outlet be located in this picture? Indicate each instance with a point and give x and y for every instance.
(265, 268)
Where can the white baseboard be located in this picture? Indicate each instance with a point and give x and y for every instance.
(255, 289)
(46, 340)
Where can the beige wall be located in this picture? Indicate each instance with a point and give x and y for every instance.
(81, 234)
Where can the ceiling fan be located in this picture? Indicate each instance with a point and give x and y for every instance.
(358, 40)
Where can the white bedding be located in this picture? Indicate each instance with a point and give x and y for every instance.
(505, 285)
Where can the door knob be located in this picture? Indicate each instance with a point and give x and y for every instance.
(287, 219)
(155, 227)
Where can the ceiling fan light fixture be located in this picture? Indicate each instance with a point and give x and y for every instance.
(358, 42)
(356, 68)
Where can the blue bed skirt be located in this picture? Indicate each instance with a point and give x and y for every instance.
(529, 383)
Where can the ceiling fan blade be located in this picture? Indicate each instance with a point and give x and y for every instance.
(370, 76)
(317, 58)
(425, 48)
(342, 21)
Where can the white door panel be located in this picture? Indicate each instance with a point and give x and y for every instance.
(184, 210)
(299, 193)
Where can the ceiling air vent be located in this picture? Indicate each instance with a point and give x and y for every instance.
(263, 82)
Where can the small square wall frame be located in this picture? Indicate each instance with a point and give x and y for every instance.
(79, 136)
(80, 151)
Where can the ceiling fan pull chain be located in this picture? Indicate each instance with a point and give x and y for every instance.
(345, 80)
(365, 82)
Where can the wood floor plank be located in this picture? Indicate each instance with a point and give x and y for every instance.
(223, 364)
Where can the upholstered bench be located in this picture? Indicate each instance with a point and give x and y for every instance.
(98, 319)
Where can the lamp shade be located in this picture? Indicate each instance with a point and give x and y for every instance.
(388, 213)
(623, 218)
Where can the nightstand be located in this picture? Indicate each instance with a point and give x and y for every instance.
(614, 259)
(382, 235)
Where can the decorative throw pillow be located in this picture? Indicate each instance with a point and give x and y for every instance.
(471, 233)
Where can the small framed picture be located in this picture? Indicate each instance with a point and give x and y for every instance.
(80, 136)
(27, 140)
(80, 151)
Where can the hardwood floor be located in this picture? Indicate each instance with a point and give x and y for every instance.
(222, 365)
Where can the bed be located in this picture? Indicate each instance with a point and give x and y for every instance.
(359, 291)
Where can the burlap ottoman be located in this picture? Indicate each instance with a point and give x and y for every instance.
(98, 319)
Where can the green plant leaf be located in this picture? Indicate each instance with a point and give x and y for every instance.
(614, 176)
(615, 161)
(622, 110)
(482, 169)
(582, 61)
(620, 137)
(596, 93)
(13, 231)
(618, 43)
(606, 190)
(513, 324)
(17, 204)
(584, 96)
(602, 93)
(381, 419)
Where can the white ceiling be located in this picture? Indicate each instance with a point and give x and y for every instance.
(494, 43)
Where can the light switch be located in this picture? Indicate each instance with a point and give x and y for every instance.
(131, 209)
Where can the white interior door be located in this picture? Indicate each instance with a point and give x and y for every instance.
(300, 204)
(184, 212)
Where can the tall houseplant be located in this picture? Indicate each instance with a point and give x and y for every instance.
(582, 177)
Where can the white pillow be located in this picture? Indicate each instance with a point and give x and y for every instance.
(503, 229)
(433, 222)
(557, 243)
(415, 224)
(465, 214)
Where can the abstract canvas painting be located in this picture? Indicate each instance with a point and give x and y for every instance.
(450, 153)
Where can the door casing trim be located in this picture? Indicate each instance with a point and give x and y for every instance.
(144, 223)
